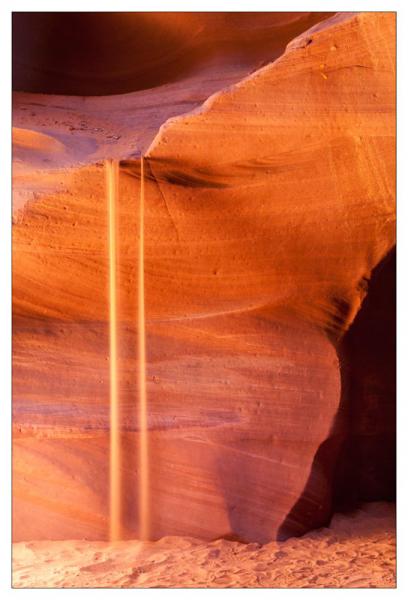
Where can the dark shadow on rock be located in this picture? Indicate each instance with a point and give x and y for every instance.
(357, 462)
(103, 53)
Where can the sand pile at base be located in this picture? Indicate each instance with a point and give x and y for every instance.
(357, 550)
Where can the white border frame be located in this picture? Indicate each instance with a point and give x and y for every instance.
(6, 8)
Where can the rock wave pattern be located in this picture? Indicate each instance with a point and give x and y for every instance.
(269, 218)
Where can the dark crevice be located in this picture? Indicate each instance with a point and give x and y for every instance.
(367, 464)
(357, 463)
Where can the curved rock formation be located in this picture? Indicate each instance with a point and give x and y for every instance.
(267, 209)
(93, 54)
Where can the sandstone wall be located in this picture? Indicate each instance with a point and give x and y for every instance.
(267, 210)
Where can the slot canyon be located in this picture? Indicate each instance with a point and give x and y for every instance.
(268, 149)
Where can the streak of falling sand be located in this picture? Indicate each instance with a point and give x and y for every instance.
(357, 550)
(115, 483)
(111, 169)
(143, 435)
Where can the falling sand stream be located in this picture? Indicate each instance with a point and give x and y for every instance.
(115, 482)
(111, 169)
(144, 532)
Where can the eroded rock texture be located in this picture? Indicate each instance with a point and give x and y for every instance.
(267, 210)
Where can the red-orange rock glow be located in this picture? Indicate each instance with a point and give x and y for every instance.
(268, 273)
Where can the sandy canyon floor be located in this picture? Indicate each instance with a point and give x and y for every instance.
(269, 204)
(356, 551)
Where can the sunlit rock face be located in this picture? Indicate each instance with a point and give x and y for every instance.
(267, 209)
(126, 74)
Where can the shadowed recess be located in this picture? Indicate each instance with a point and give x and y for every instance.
(87, 53)
(357, 463)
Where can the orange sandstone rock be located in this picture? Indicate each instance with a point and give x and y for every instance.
(267, 209)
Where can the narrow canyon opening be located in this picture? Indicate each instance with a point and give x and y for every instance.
(367, 464)
(357, 462)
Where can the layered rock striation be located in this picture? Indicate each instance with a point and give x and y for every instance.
(268, 207)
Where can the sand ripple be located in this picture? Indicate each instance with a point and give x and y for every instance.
(357, 550)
